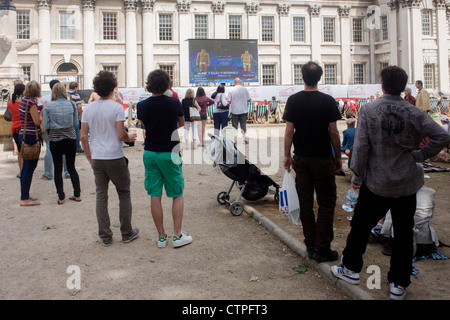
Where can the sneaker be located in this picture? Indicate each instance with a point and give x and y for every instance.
(133, 236)
(345, 274)
(162, 242)
(183, 240)
(107, 243)
(397, 292)
(330, 255)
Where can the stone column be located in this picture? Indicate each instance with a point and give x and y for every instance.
(252, 20)
(147, 37)
(130, 43)
(346, 71)
(442, 44)
(88, 42)
(416, 44)
(285, 42)
(45, 60)
(220, 20)
(316, 36)
(393, 36)
(405, 35)
(184, 27)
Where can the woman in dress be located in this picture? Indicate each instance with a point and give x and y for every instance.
(203, 101)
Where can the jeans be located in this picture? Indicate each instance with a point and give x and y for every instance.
(116, 171)
(370, 209)
(48, 161)
(77, 133)
(220, 121)
(316, 174)
(26, 175)
(58, 149)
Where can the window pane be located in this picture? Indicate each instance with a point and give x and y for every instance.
(268, 75)
(298, 77)
(426, 22)
(165, 27)
(168, 69)
(428, 74)
(67, 25)
(330, 74)
(23, 24)
(384, 28)
(328, 29)
(358, 73)
(234, 28)
(299, 29)
(112, 69)
(267, 29)
(201, 26)
(357, 30)
(109, 26)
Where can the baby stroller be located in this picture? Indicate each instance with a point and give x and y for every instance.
(253, 184)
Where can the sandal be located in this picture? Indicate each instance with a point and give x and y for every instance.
(77, 199)
(60, 202)
(30, 204)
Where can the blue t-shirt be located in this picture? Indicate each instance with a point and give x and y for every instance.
(159, 115)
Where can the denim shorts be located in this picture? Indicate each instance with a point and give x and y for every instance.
(203, 117)
(163, 169)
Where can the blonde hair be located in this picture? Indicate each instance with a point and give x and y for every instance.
(32, 90)
(189, 94)
(59, 90)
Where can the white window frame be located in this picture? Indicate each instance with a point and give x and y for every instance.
(235, 30)
(67, 25)
(427, 22)
(299, 31)
(201, 27)
(329, 33)
(267, 30)
(384, 20)
(269, 79)
(297, 74)
(359, 79)
(23, 24)
(357, 31)
(163, 30)
(326, 77)
(110, 30)
(429, 76)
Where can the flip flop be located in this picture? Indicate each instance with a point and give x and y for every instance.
(75, 199)
(30, 204)
(60, 202)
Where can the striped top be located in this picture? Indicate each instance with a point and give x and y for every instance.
(30, 128)
(55, 135)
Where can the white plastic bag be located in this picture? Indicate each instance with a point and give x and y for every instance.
(289, 205)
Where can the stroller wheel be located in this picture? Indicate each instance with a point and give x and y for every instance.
(236, 208)
(223, 197)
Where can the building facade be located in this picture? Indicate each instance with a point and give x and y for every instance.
(352, 40)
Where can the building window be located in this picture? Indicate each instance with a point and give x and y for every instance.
(201, 26)
(109, 26)
(328, 30)
(329, 73)
(357, 30)
(384, 28)
(358, 73)
(234, 27)
(112, 69)
(383, 65)
(298, 29)
(298, 76)
(23, 24)
(426, 22)
(428, 76)
(268, 74)
(168, 69)
(165, 27)
(67, 25)
(267, 29)
(27, 72)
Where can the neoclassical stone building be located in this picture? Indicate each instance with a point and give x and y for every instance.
(352, 40)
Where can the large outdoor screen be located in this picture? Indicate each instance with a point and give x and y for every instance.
(221, 61)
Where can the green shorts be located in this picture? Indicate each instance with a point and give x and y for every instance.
(163, 169)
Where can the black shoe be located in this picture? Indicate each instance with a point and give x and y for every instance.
(330, 255)
(310, 250)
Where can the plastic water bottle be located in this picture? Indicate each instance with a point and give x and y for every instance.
(350, 200)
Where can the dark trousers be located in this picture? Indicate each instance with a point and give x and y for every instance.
(239, 119)
(316, 174)
(26, 175)
(370, 209)
(117, 172)
(220, 121)
(66, 147)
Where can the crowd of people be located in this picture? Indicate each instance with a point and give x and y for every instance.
(383, 142)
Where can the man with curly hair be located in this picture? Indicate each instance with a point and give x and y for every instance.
(102, 134)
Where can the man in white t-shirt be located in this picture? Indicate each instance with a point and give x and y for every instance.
(102, 134)
(238, 98)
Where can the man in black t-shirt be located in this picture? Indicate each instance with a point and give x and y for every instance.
(311, 127)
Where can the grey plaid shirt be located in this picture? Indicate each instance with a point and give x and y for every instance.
(387, 140)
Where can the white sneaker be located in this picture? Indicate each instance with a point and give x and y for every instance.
(183, 240)
(162, 242)
(345, 274)
(397, 292)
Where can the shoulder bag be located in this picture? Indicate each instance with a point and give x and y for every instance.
(27, 151)
(7, 115)
(194, 114)
(220, 105)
